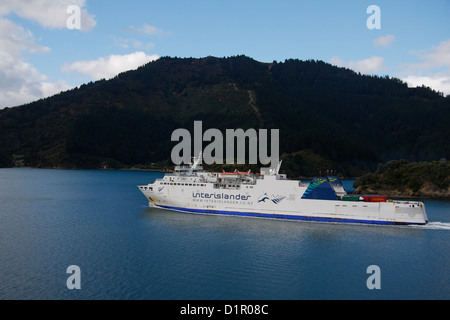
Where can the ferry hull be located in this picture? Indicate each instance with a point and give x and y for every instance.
(291, 217)
(388, 213)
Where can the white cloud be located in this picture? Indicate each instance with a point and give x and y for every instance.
(51, 88)
(147, 30)
(132, 43)
(20, 82)
(367, 66)
(111, 66)
(14, 39)
(436, 57)
(439, 82)
(432, 69)
(48, 13)
(384, 41)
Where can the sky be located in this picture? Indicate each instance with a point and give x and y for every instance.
(49, 46)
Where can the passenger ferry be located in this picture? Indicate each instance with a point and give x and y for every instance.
(269, 194)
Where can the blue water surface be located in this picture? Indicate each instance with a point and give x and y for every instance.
(99, 221)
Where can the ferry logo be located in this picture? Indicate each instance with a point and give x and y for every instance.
(263, 198)
(274, 199)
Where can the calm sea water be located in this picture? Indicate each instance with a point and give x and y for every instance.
(99, 221)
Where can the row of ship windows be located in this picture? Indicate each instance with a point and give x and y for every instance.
(198, 185)
(183, 184)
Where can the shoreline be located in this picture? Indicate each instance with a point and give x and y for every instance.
(92, 169)
(392, 194)
(402, 197)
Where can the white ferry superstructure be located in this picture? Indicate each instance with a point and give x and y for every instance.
(271, 195)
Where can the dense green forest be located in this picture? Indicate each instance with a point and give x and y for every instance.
(411, 179)
(329, 117)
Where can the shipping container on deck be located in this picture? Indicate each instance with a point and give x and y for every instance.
(351, 198)
(374, 198)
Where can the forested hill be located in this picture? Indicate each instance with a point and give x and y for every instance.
(329, 117)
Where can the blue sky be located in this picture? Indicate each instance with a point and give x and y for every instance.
(40, 56)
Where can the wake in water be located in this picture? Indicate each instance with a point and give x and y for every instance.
(433, 226)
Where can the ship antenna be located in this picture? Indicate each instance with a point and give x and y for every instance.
(278, 167)
(197, 161)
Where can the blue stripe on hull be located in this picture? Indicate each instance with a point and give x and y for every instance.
(286, 217)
